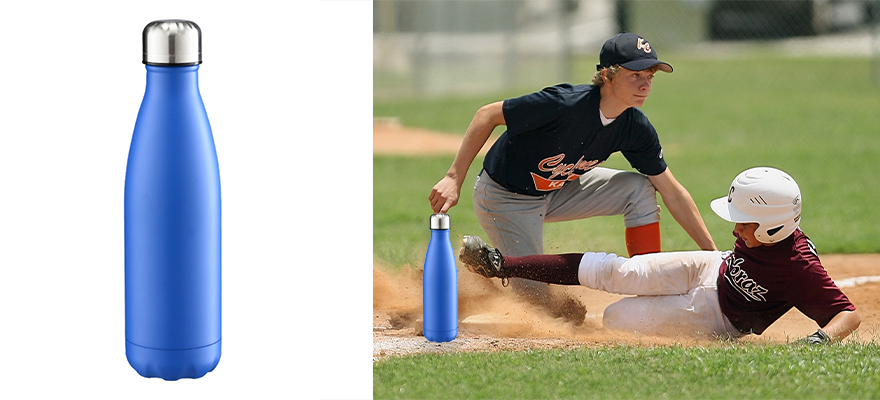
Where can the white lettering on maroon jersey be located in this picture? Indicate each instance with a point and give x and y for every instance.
(739, 279)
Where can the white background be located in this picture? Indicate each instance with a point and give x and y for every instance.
(287, 86)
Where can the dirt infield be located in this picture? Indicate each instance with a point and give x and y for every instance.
(397, 296)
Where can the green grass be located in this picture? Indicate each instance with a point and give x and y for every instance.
(817, 119)
(729, 371)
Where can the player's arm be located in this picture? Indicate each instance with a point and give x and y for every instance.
(844, 323)
(445, 194)
(682, 207)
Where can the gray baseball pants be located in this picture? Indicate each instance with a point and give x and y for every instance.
(514, 223)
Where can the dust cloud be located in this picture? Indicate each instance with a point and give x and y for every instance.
(397, 305)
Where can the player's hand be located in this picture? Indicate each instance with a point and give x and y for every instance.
(444, 195)
(818, 337)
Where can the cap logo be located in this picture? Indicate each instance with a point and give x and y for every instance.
(730, 195)
(644, 46)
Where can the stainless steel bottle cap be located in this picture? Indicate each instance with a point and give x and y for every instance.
(439, 221)
(172, 42)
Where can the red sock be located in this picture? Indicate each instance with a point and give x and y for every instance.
(643, 239)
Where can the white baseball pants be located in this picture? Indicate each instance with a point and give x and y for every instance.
(675, 293)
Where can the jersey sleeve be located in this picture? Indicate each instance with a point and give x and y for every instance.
(534, 110)
(816, 295)
(643, 150)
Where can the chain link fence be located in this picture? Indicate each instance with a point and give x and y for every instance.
(444, 47)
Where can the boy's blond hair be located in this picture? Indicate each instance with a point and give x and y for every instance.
(598, 80)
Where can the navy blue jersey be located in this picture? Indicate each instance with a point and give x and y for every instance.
(555, 136)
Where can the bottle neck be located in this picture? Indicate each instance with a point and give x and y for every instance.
(440, 232)
(179, 78)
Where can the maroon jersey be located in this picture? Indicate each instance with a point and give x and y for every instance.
(756, 286)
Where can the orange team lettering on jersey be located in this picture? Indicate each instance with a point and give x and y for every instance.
(558, 169)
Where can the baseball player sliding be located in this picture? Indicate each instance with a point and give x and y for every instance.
(772, 268)
(545, 167)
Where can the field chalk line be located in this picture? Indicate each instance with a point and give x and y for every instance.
(859, 280)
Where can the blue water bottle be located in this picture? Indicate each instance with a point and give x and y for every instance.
(172, 215)
(440, 284)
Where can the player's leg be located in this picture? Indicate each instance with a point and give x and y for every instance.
(695, 313)
(604, 192)
(644, 239)
(560, 269)
(479, 257)
(675, 292)
(513, 224)
(668, 273)
(649, 274)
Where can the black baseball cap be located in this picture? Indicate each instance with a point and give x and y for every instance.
(630, 51)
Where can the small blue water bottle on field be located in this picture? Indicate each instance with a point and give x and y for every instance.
(172, 215)
(440, 284)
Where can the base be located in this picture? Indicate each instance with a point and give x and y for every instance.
(172, 365)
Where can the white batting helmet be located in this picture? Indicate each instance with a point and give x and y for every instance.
(766, 196)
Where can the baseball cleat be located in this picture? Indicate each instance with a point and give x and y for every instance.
(480, 258)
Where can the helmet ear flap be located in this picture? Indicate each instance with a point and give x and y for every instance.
(766, 235)
(772, 231)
